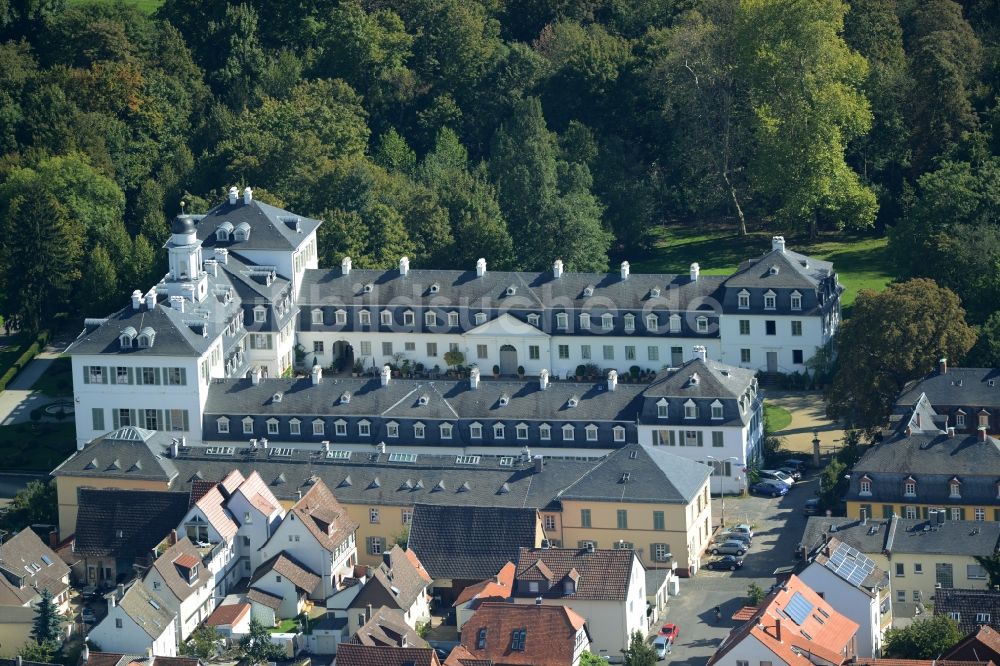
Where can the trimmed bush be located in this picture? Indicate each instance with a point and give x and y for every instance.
(26, 356)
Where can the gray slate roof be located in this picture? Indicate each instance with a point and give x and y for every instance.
(469, 543)
(447, 400)
(794, 271)
(146, 609)
(641, 474)
(959, 386)
(173, 336)
(271, 228)
(968, 604)
(714, 380)
(125, 523)
(129, 452)
(960, 537)
(27, 557)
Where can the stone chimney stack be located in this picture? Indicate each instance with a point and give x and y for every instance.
(345, 266)
(386, 375)
(474, 378)
(222, 255)
(557, 268)
(151, 299)
(177, 303)
(317, 374)
(480, 267)
(404, 266)
(247, 195)
(136, 300)
(778, 243)
(543, 379)
(701, 352)
(612, 380)
(234, 195)
(625, 270)
(695, 271)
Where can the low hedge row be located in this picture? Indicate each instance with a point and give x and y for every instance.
(26, 356)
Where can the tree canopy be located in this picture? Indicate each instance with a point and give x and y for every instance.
(923, 639)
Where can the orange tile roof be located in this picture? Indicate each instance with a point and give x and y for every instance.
(745, 613)
(412, 556)
(981, 644)
(187, 561)
(213, 505)
(258, 494)
(499, 587)
(824, 632)
(550, 638)
(861, 661)
(229, 614)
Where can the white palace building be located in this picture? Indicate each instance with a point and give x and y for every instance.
(245, 303)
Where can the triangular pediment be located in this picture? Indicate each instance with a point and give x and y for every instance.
(506, 325)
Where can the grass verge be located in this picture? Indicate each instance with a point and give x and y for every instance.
(145, 6)
(777, 418)
(36, 446)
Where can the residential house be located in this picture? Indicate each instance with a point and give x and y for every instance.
(496, 588)
(461, 545)
(27, 566)
(318, 532)
(264, 606)
(212, 529)
(355, 654)
(922, 557)
(231, 620)
(966, 396)
(972, 609)
(399, 583)
(922, 463)
(917, 662)
(534, 635)
(385, 626)
(856, 587)
(645, 499)
(794, 625)
(181, 579)
(286, 578)
(606, 587)
(257, 511)
(710, 412)
(979, 645)
(91, 658)
(117, 530)
(138, 620)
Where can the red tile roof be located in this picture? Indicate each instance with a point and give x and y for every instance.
(824, 632)
(324, 516)
(604, 574)
(459, 656)
(550, 633)
(187, 561)
(258, 494)
(213, 505)
(228, 615)
(353, 654)
(499, 587)
(916, 662)
(981, 644)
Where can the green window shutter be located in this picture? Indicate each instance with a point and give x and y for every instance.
(165, 419)
(105, 375)
(86, 374)
(996, 514)
(701, 438)
(115, 420)
(672, 438)
(131, 376)
(184, 377)
(156, 376)
(185, 412)
(887, 511)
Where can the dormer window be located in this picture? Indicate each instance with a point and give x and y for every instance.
(340, 428)
(562, 321)
(475, 431)
(690, 410)
(607, 321)
(591, 431)
(222, 425)
(629, 323)
(652, 323)
(248, 426)
(319, 428)
(224, 231)
(259, 314)
(435, 288)
(960, 419)
(568, 433)
(910, 487)
(242, 232)
(585, 322)
(955, 488)
(769, 300)
(386, 317)
(446, 430)
(701, 324)
(419, 430)
(675, 323)
(744, 300)
(341, 317)
(588, 290)
(533, 319)
(511, 290)
(716, 410)
(147, 337)
(408, 318)
(654, 292)
(317, 316)
(453, 319)
(498, 431)
(619, 433)
(365, 318)
(430, 319)
(521, 431)
(984, 419)
(545, 434)
(345, 398)
(127, 337)
(480, 318)
(865, 486)
(796, 300)
(661, 409)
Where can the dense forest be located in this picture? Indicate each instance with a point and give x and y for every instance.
(518, 130)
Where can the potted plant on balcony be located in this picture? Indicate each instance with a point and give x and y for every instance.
(520, 371)
(454, 359)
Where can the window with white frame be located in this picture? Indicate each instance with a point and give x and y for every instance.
(446, 429)
(661, 408)
(910, 488)
(744, 300)
(653, 353)
(317, 316)
(430, 319)
(340, 428)
(452, 319)
(545, 433)
(522, 431)
(365, 318)
(498, 430)
(386, 317)
(341, 317)
(480, 318)
(619, 433)
(652, 323)
(408, 318)
(675, 323)
(373, 516)
(364, 428)
(865, 486)
(701, 324)
(475, 431)
(796, 300)
(294, 427)
(954, 488)
(366, 347)
(960, 419)
(690, 410)
(248, 426)
(562, 321)
(260, 314)
(392, 429)
(319, 427)
(418, 430)
(533, 319)
(716, 410)
(607, 321)
(585, 322)
(568, 432)
(770, 300)
(591, 431)
(272, 426)
(629, 322)
(980, 514)
(222, 425)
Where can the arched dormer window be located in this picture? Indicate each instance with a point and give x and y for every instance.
(147, 337)
(690, 410)
(317, 316)
(242, 232)
(223, 232)
(562, 321)
(744, 300)
(607, 321)
(568, 433)
(127, 337)
(629, 322)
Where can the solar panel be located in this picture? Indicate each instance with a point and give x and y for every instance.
(798, 608)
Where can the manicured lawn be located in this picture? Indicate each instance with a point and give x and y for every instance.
(145, 6)
(36, 446)
(862, 262)
(11, 349)
(289, 626)
(777, 418)
(57, 382)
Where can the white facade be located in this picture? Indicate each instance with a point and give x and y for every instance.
(295, 539)
(771, 353)
(750, 650)
(292, 600)
(256, 528)
(118, 632)
(851, 601)
(190, 611)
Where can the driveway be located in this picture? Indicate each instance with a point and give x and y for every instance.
(778, 525)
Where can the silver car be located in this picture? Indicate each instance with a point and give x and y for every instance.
(730, 547)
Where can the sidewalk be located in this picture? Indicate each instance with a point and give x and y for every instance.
(17, 401)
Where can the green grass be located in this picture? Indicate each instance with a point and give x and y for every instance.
(777, 418)
(36, 446)
(145, 6)
(57, 381)
(287, 626)
(862, 262)
(11, 349)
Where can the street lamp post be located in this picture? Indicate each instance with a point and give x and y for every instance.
(722, 492)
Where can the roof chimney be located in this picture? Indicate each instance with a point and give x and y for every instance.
(701, 352)
(480, 267)
(543, 379)
(943, 366)
(404, 266)
(538, 601)
(982, 433)
(951, 431)
(590, 546)
(317, 374)
(151, 299)
(222, 255)
(777, 628)
(136, 299)
(234, 194)
(212, 267)
(386, 374)
(255, 376)
(557, 268)
(474, 377)
(778, 243)
(174, 446)
(247, 195)
(345, 266)
(539, 464)
(177, 303)
(695, 271)
(625, 268)
(612, 380)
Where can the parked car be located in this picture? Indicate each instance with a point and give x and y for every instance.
(662, 647)
(670, 631)
(776, 475)
(792, 472)
(731, 547)
(742, 528)
(737, 536)
(796, 464)
(811, 507)
(769, 488)
(88, 616)
(726, 563)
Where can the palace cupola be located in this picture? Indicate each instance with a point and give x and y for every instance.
(186, 277)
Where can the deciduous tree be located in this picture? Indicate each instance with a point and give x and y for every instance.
(923, 639)
(256, 647)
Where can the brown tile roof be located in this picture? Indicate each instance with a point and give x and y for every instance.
(258, 494)
(387, 627)
(830, 637)
(459, 656)
(174, 564)
(397, 584)
(264, 599)
(968, 605)
(324, 516)
(119, 659)
(419, 566)
(354, 654)
(861, 661)
(603, 574)
(550, 633)
(981, 644)
(198, 489)
(228, 614)
(27, 557)
(213, 505)
(289, 567)
(497, 588)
